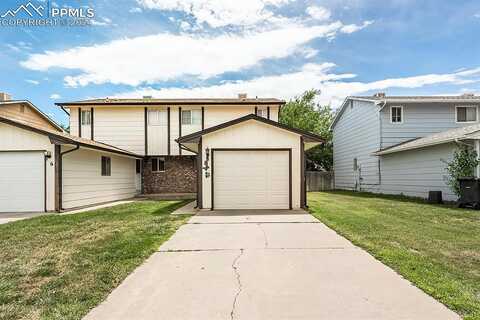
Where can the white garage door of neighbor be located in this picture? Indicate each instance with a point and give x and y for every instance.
(22, 181)
(251, 179)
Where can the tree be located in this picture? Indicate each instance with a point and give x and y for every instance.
(463, 164)
(65, 127)
(304, 113)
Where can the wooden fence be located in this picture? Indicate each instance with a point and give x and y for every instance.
(319, 180)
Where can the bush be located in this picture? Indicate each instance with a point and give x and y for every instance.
(463, 164)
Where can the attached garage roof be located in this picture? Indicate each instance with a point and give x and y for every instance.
(309, 137)
(463, 133)
(65, 138)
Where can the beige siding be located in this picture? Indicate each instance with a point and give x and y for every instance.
(24, 113)
(174, 130)
(13, 138)
(122, 127)
(73, 121)
(252, 134)
(158, 135)
(215, 115)
(84, 185)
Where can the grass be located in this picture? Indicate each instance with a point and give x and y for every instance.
(435, 247)
(60, 267)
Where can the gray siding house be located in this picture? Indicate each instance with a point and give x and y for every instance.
(399, 144)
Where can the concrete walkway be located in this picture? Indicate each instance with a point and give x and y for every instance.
(264, 265)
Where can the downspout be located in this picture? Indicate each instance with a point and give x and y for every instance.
(60, 174)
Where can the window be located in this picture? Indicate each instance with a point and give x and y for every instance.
(158, 164)
(157, 117)
(262, 113)
(396, 114)
(106, 166)
(466, 114)
(190, 117)
(355, 164)
(86, 117)
(138, 165)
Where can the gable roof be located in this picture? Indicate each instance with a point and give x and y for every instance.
(307, 135)
(65, 138)
(383, 100)
(452, 135)
(151, 101)
(37, 110)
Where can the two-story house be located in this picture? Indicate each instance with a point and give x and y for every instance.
(400, 144)
(233, 153)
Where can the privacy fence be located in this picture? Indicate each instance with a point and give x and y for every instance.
(319, 180)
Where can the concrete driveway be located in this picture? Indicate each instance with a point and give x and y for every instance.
(264, 265)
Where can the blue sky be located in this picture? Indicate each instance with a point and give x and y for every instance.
(274, 48)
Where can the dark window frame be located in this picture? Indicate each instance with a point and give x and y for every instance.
(106, 166)
(138, 166)
(158, 164)
(396, 114)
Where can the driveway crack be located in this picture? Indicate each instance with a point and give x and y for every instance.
(237, 275)
(264, 235)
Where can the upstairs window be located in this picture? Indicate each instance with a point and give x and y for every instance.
(191, 117)
(466, 114)
(262, 113)
(86, 117)
(158, 164)
(157, 117)
(106, 166)
(396, 114)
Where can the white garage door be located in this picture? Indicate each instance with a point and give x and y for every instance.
(251, 179)
(21, 181)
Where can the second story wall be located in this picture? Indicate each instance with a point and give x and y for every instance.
(152, 130)
(419, 120)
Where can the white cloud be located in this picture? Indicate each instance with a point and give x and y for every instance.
(55, 96)
(351, 28)
(135, 10)
(319, 13)
(334, 87)
(168, 56)
(34, 82)
(476, 15)
(219, 13)
(104, 21)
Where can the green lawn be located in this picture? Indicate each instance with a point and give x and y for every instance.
(59, 267)
(435, 247)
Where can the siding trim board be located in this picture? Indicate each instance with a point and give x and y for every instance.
(199, 176)
(179, 129)
(146, 131)
(80, 122)
(212, 156)
(268, 112)
(91, 123)
(168, 131)
(303, 191)
(203, 118)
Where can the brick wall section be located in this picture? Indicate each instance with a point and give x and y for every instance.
(180, 176)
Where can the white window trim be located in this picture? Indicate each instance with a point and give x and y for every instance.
(158, 159)
(402, 114)
(466, 106)
(88, 119)
(192, 112)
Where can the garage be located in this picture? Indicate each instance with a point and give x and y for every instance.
(250, 163)
(251, 179)
(22, 185)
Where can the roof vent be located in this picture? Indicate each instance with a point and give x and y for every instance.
(468, 94)
(5, 96)
(379, 95)
(147, 97)
(242, 96)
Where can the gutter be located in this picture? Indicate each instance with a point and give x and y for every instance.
(60, 174)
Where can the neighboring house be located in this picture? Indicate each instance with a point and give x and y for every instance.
(399, 145)
(118, 148)
(43, 168)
